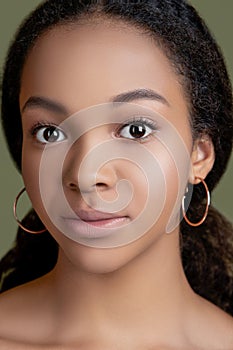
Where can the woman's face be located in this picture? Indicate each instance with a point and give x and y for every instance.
(106, 182)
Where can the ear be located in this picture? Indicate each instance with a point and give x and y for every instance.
(202, 159)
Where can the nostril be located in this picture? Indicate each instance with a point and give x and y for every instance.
(72, 186)
(101, 185)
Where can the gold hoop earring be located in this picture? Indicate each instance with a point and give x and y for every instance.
(16, 217)
(206, 209)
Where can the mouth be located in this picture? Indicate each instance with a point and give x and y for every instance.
(93, 224)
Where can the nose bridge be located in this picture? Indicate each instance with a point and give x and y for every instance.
(83, 170)
(85, 144)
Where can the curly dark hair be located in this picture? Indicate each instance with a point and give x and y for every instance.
(182, 35)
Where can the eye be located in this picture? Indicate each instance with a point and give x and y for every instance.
(138, 129)
(48, 134)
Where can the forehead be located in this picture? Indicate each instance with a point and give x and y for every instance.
(85, 64)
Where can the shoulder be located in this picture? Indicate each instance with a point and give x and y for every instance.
(12, 345)
(24, 315)
(15, 345)
(213, 328)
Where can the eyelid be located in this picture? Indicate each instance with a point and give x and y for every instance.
(38, 125)
(152, 124)
(141, 120)
(44, 124)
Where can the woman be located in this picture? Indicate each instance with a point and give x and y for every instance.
(118, 109)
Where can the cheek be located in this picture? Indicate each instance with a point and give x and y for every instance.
(154, 182)
(30, 172)
(168, 185)
(138, 179)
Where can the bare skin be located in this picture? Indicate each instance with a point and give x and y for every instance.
(130, 297)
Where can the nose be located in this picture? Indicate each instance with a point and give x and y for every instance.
(84, 169)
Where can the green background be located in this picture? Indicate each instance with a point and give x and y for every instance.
(218, 15)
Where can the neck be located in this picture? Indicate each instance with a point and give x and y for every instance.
(150, 292)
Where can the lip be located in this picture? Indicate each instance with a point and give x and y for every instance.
(105, 223)
(93, 224)
(92, 216)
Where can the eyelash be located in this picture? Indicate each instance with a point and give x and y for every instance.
(137, 120)
(44, 125)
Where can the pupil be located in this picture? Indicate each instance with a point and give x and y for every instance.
(51, 134)
(137, 131)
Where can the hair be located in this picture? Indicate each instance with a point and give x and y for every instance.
(182, 35)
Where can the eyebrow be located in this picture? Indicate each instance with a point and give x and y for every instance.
(137, 94)
(45, 103)
(53, 106)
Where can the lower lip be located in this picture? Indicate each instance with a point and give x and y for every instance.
(113, 222)
(92, 229)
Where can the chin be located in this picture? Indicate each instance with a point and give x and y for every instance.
(97, 260)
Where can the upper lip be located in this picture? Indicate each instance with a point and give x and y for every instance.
(93, 215)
